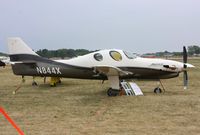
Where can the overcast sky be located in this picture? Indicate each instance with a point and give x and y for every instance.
(135, 25)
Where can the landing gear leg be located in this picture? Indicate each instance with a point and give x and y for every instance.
(23, 81)
(54, 81)
(34, 82)
(114, 82)
(45, 79)
(158, 90)
(162, 86)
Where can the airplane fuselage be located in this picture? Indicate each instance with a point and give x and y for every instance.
(110, 64)
(82, 67)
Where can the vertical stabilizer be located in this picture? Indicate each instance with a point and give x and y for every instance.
(18, 46)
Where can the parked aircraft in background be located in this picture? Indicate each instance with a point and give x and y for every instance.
(5, 59)
(2, 64)
(111, 64)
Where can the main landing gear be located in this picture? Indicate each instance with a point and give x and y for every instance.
(34, 83)
(113, 92)
(158, 90)
(54, 81)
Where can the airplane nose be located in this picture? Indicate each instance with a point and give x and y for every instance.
(189, 65)
(185, 66)
(182, 66)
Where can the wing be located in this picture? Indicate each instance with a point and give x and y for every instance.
(111, 70)
(112, 73)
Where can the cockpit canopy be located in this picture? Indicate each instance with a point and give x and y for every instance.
(130, 55)
(116, 55)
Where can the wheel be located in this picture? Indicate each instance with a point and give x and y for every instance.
(112, 92)
(34, 83)
(109, 92)
(53, 85)
(157, 90)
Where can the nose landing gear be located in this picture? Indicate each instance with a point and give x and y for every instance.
(158, 90)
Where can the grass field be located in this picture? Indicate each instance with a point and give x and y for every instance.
(82, 107)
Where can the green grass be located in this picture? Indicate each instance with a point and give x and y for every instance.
(82, 107)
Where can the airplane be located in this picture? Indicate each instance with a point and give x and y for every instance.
(2, 64)
(113, 65)
(5, 60)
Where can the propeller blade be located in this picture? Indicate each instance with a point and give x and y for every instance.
(185, 79)
(184, 55)
(185, 75)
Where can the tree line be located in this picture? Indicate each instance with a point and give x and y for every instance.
(70, 53)
(3, 54)
(62, 53)
(194, 49)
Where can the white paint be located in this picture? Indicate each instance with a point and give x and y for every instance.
(151, 63)
(48, 70)
(17, 46)
(114, 82)
(132, 89)
(136, 89)
(6, 60)
(127, 88)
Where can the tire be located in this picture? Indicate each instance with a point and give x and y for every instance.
(112, 92)
(109, 92)
(53, 85)
(157, 90)
(34, 84)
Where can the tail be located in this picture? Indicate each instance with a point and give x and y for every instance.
(19, 51)
(22, 57)
(18, 46)
(26, 62)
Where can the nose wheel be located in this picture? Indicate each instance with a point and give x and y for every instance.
(157, 90)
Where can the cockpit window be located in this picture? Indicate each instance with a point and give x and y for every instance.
(116, 55)
(130, 55)
(98, 57)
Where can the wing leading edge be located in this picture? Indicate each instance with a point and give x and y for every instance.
(111, 70)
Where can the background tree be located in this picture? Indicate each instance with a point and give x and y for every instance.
(193, 49)
(62, 53)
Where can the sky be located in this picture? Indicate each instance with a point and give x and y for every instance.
(139, 26)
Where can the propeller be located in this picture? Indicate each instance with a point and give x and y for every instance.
(185, 75)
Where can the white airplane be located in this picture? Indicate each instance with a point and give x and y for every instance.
(5, 60)
(112, 64)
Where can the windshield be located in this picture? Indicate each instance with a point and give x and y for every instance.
(130, 55)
